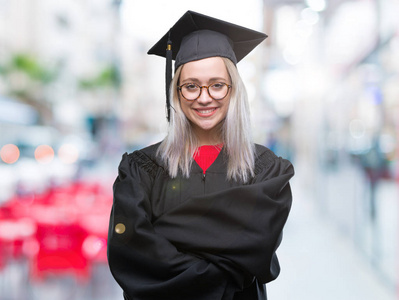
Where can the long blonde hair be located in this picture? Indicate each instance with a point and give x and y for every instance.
(178, 147)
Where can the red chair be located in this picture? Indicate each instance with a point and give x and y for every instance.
(60, 252)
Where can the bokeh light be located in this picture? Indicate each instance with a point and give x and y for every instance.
(92, 245)
(44, 154)
(9, 153)
(68, 153)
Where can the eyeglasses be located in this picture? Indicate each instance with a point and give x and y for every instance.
(192, 91)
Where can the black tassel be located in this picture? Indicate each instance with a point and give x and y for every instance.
(168, 75)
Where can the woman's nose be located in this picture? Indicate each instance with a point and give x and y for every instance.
(204, 98)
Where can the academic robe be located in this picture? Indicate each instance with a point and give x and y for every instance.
(197, 238)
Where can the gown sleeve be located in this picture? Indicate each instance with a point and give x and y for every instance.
(144, 263)
(240, 227)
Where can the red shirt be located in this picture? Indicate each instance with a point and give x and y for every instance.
(206, 155)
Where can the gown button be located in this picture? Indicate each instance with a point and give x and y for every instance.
(120, 228)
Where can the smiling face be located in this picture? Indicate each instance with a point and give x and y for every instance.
(205, 114)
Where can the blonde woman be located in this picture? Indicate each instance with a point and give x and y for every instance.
(200, 214)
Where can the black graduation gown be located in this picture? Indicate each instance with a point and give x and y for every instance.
(197, 238)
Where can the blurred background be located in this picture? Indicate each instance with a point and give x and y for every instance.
(77, 90)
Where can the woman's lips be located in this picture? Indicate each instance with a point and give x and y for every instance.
(205, 112)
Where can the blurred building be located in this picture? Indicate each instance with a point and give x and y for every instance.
(77, 41)
(333, 73)
(59, 85)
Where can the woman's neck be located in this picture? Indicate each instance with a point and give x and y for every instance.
(209, 142)
(207, 138)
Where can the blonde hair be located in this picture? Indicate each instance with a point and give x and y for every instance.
(178, 147)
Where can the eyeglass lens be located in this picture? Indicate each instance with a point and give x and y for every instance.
(192, 91)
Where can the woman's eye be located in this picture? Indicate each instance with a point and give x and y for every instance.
(217, 85)
(190, 86)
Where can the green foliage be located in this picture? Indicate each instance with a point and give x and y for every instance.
(29, 65)
(108, 77)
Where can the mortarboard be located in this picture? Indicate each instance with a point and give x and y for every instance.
(196, 36)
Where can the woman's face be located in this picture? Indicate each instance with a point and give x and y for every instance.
(205, 113)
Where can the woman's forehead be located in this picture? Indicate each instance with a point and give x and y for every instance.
(213, 67)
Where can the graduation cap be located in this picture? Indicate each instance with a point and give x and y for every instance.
(196, 36)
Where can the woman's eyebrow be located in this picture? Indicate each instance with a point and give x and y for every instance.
(196, 80)
(217, 79)
(190, 80)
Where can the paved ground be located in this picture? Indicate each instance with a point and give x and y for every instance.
(320, 263)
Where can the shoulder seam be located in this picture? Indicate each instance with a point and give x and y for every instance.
(264, 161)
(144, 162)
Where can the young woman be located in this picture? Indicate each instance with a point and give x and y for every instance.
(200, 215)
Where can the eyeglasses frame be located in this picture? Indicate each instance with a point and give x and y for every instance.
(179, 88)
